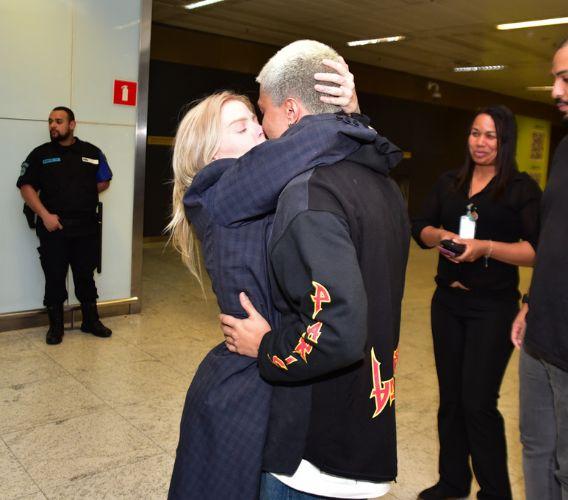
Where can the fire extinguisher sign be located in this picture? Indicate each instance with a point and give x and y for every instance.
(125, 93)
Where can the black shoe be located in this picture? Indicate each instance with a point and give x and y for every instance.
(91, 322)
(54, 335)
(440, 492)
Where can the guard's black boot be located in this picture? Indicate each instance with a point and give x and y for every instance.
(55, 333)
(91, 322)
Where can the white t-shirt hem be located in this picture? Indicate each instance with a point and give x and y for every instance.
(309, 479)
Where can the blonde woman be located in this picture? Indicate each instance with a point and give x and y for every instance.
(226, 184)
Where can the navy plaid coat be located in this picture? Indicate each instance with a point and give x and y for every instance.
(231, 205)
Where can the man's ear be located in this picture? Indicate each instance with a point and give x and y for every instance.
(293, 111)
(72, 124)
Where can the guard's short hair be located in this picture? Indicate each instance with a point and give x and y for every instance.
(563, 43)
(290, 73)
(70, 113)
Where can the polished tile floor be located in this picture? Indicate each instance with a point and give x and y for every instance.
(98, 418)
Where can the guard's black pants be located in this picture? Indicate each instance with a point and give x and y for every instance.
(472, 348)
(60, 249)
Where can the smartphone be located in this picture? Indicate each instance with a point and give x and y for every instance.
(452, 246)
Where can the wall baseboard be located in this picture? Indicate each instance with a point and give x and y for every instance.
(72, 313)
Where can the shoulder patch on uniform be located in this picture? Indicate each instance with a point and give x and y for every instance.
(47, 161)
(23, 168)
(94, 161)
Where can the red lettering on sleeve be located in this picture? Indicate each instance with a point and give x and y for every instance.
(382, 392)
(313, 332)
(320, 296)
(279, 363)
(303, 348)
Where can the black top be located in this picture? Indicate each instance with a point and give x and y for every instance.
(66, 177)
(547, 321)
(338, 251)
(512, 217)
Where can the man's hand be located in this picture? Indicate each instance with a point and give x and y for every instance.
(243, 336)
(51, 222)
(344, 95)
(519, 327)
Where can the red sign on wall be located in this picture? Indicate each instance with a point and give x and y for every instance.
(125, 93)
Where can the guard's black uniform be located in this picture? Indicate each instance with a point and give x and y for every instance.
(66, 178)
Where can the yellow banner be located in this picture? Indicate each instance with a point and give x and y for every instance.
(533, 146)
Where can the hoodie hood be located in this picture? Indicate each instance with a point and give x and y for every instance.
(381, 156)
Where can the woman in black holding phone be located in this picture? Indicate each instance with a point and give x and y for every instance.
(491, 209)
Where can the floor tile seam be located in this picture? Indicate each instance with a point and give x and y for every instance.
(49, 358)
(16, 458)
(162, 361)
(74, 377)
(95, 411)
(111, 468)
(30, 347)
(159, 451)
(104, 471)
(103, 369)
(140, 430)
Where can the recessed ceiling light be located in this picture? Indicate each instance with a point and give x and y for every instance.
(533, 24)
(468, 69)
(203, 3)
(387, 39)
(540, 88)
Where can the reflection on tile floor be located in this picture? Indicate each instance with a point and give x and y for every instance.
(98, 418)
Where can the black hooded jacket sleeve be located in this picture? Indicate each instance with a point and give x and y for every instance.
(316, 265)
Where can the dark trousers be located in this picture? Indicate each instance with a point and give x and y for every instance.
(472, 348)
(63, 248)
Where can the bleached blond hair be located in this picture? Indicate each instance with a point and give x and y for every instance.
(290, 73)
(197, 140)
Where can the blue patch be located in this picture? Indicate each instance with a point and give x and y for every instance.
(47, 161)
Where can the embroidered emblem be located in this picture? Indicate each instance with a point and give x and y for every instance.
(47, 161)
(90, 160)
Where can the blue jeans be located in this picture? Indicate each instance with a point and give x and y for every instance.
(273, 489)
(544, 428)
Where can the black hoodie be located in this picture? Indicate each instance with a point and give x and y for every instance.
(338, 255)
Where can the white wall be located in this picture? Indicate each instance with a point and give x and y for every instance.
(65, 52)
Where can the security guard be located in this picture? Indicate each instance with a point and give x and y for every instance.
(68, 174)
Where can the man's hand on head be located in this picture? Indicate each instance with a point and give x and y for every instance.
(343, 94)
(243, 336)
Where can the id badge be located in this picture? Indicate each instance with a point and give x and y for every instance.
(467, 228)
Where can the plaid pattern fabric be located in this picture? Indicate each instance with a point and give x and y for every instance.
(250, 188)
(222, 432)
(231, 204)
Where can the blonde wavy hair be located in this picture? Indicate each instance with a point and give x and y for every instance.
(197, 140)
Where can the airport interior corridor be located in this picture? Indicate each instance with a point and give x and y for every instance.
(98, 418)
